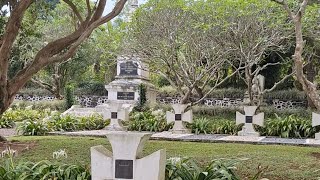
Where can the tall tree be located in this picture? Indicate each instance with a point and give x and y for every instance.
(181, 43)
(296, 13)
(58, 50)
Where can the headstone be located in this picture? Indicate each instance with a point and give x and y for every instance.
(126, 161)
(249, 118)
(178, 117)
(316, 122)
(116, 112)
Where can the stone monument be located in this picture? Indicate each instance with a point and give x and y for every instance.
(125, 161)
(249, 119)
(178, 117)
(131, 73)
(316, 122)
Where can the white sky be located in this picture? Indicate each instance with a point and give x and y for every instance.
(110, 5)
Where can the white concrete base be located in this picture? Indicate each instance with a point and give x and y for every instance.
(115, 125)
(317, 136)
(126, 161)
(248, 130)
(179, 128)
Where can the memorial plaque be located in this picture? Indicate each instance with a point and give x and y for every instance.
(125, 95)
(124, 169)
(129, 68)
(114, 115)
(178, 117)
(248, 119)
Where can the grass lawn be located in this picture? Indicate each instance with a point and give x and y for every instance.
(281, 162)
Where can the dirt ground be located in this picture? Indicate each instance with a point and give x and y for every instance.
(19, 147)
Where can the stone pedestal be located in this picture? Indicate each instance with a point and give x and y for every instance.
(131, 73)
(316, 122)
(249, 119)
(178, 117)
(126, 161)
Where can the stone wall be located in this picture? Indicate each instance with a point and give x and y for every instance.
(92, 101)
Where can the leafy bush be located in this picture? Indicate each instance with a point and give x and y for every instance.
(11, 116)
(225, 127)
(187, 169)
(43, 170)
(69, 97)
(290, 126)
(56, 105)
(91, 88)
(148, 120)
(72, 123)
(200, 125)
(33, 127)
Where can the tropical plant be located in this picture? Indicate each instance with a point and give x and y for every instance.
(33, 127)
(149, 120)
(188, 169)
(43, 170)
(290, 126)
(201, 125)
(225, 127)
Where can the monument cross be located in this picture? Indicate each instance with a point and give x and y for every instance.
(178, 117)
(126, 161)
(249, 119)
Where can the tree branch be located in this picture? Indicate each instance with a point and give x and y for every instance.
(74, 9)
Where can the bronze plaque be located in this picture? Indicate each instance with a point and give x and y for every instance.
(248, 119)
(125, 95)
(129, 68)
(114, 115)
(124, 169)
(178, 117)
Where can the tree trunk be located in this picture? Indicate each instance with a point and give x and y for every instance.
(186, 97)
(249, 83)
(308, 87)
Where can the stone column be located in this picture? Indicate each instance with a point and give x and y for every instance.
(126, 161)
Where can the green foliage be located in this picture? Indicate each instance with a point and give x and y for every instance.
(225, 127)
(72, 123)
(200, 125)
(188, 169)
(142, 94)
(214, 126)
(33, 127)
(148, 120)
(69, 97)
(43, 170)
(290, 126)
(56, 105)
(91, 88)
(11, 116)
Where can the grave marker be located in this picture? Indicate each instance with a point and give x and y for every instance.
(178, 117)
(249, 118)
(126, 161)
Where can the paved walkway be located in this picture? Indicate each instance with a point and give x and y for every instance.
(7, 132)
(206, 138)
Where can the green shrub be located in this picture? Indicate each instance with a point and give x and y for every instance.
(200, 125)
(55, 105)
(69, 96)
(225, 127)
(153, 121)
(188, 169)
(290, 126)
(43, 170)
(34, 91)
(91, 88)
(72, 123)
(11, 116)
(33, 127)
